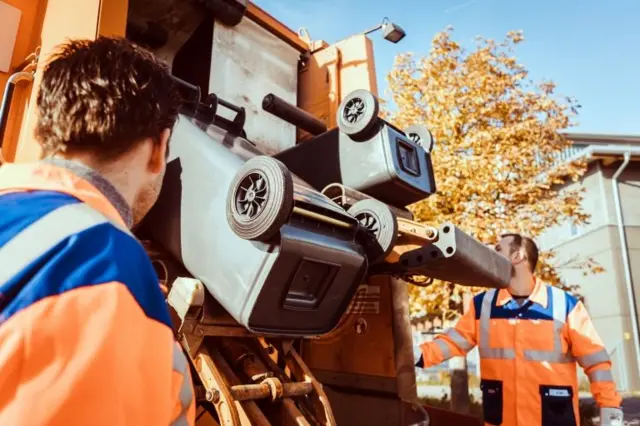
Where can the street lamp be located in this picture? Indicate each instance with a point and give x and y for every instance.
(390, 31)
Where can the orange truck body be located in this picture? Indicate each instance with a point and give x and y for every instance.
(366, 365)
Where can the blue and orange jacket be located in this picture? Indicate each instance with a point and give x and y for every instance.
(85, 334)
(528, 356)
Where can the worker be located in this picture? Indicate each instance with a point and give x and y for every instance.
(530, 337)
(85, 333)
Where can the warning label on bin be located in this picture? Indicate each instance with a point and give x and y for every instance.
(366, 301)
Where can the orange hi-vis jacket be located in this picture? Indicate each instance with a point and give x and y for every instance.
(85, 333)
(528, 356)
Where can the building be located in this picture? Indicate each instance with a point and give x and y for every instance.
(611, 187)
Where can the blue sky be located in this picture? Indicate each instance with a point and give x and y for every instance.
(590, 48)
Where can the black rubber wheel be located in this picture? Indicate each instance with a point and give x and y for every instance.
(380, 221)
(420, 135)
(260, 199)
(358, 114)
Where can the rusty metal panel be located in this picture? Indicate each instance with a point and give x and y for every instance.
(179, 18)
(248, 62)
(343, 356)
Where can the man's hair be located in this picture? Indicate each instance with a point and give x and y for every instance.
(102, 97)
(530, 248)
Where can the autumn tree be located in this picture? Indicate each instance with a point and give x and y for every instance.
(497, 135)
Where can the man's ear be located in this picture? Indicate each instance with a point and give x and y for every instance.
(158, 159)
(518, 256)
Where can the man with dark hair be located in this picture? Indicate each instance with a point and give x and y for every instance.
(530, 336)
(518, 242)
(85, 334)
(523, 253)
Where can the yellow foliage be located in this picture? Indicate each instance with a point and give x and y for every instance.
(497, 134)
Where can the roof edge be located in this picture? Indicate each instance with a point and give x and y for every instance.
(602, 138)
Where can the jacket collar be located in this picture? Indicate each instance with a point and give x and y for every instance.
(538, 295)
(70, 178)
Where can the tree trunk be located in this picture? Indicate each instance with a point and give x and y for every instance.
(460, 401)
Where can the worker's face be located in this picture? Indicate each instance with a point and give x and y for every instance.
(151, 185)
(504, 247)
(516, 257)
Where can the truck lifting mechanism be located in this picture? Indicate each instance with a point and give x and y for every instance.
(282, 232)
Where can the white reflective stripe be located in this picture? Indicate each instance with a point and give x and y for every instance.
(444, 347)
(179, 360)
(459, 339)
(595, 358)
(45, 233)
(600, 376)
(497, 353)
(485, 318)
(185, 395)
(547, 356)
(559, 308)
(180, 421)
(486, 351)
(559, 302)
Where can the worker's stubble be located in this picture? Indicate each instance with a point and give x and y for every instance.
(146, 198)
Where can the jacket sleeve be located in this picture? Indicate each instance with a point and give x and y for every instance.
(454, 342)
(90, 355)
(591, 354)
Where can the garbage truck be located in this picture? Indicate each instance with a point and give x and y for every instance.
(281, 234)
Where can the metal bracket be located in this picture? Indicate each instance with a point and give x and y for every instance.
(217, 390)
(459, 258)
(413, 229)
(318, 397)
(346, 197)
(186, 297)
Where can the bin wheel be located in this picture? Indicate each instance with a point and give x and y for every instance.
(380, 221)
(260, 199)
(420, 135)
(358, 114)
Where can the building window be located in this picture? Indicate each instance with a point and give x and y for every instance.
(574, 230)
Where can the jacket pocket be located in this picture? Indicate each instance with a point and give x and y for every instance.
(557, 406)
(492, 403)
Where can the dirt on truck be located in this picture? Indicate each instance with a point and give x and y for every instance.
(282, 232)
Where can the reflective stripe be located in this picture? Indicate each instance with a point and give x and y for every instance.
(595, 358)
(497, 353)
(486, 351)
(45, 233)
(179, 360)
(544, 356)
(459, 340)
(444, 347)
(559, 305)
(180, 421)
(186, 395)
(181, 366)
(600, 376)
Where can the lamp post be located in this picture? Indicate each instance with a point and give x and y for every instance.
(390, 31)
